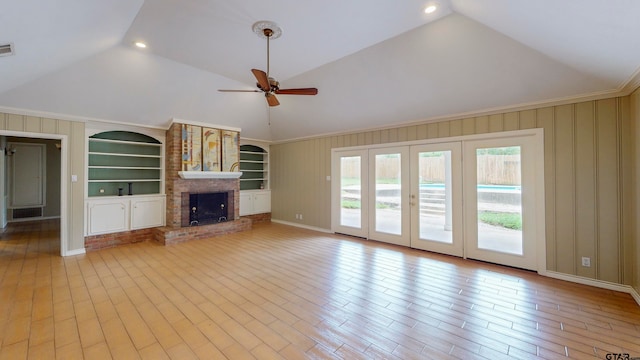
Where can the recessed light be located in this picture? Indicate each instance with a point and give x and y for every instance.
(430, 9)
(140, 44)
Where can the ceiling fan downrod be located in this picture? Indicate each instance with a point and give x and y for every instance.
(265, 83)
(268, 33)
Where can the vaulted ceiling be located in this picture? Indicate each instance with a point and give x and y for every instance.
(375, 62)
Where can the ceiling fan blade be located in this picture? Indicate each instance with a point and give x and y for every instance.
(263, 80)
(224, 90)
(271, 99)
(302, 91)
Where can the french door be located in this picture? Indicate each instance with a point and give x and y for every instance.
(479, 198)
(389, 192)
(407, 195)
(436, 198)
(350, 193)
(503, 201)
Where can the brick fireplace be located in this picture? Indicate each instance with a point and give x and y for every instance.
(176, 187)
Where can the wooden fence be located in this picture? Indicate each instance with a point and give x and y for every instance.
(492, 169)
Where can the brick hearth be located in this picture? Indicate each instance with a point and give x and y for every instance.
(173, 233)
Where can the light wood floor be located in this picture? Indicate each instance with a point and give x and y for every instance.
(281, 292)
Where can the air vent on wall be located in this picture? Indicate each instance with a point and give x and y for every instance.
(6, 49)
(27, 213)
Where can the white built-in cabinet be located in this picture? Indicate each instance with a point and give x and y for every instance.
(119, 163)
(255, 202)
(124, 213)
(147, 211)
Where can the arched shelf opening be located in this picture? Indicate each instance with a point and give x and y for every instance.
(124, 163)
(254, 165)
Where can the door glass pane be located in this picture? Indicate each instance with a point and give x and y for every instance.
(350, 186)
(388, 194)
(499, 199)
(434, 171)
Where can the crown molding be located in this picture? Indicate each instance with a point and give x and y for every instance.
(75, 118)
(632, 84)
(599, 95)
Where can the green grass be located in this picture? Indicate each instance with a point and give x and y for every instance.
(349, 181)
(505, 220)
(351, 204)
(380, 205)
(355, 204)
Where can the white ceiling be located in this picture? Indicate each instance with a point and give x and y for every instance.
(375, 62)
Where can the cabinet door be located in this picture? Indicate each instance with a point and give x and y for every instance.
(246, 204)
(108, 217)
(262, 202)
(146, 213)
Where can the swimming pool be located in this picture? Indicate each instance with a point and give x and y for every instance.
(480, 187)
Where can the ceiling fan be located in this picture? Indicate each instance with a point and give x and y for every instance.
(266, 84)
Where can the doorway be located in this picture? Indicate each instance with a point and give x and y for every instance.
(479, 197)
(62, 229)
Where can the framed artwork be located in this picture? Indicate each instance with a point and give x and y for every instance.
(191, 148)
(211, 146)
(230, 150)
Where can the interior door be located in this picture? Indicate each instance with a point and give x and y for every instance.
(27, 175)
(389, 191)
(436, 198)
(501, 200)
(349, 192)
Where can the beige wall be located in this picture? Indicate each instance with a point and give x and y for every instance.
(635, 133)
(75, 191)
(588, 179)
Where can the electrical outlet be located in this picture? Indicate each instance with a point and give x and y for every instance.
(586, 261)
(300, 216)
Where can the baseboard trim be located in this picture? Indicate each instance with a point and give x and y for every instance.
(593, 282)
(326, 231)
(634, 293)
(38, 218)
(75, 252)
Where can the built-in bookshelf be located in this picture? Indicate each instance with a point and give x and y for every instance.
(254, 164)
(123, 163)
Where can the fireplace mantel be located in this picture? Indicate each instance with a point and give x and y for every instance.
(209, 174)
(178, 182)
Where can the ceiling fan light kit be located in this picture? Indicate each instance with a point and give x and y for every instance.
(265, 83)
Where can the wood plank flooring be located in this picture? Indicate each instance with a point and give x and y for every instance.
(278, 292)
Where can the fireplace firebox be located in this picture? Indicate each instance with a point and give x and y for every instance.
(206, 208)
